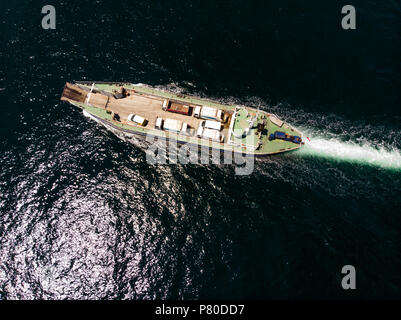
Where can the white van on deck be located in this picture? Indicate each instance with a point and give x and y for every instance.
(172, 125)
(137, 119)
(210, 134)
(208, 113)
(210, 124)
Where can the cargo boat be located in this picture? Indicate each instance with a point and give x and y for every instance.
(143, 110)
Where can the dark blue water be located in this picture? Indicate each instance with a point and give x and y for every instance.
(83, 215)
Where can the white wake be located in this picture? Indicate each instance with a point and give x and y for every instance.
(353, 152)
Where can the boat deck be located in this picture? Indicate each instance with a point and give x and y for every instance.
(146, 106)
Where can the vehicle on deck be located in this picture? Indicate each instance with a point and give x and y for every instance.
(208, 113)
(285, 136)
(211, 134)
(137, 119)
(172, 125)
(175, 107)
(210, 124)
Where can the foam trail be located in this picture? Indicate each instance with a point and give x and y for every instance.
(353, 152)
